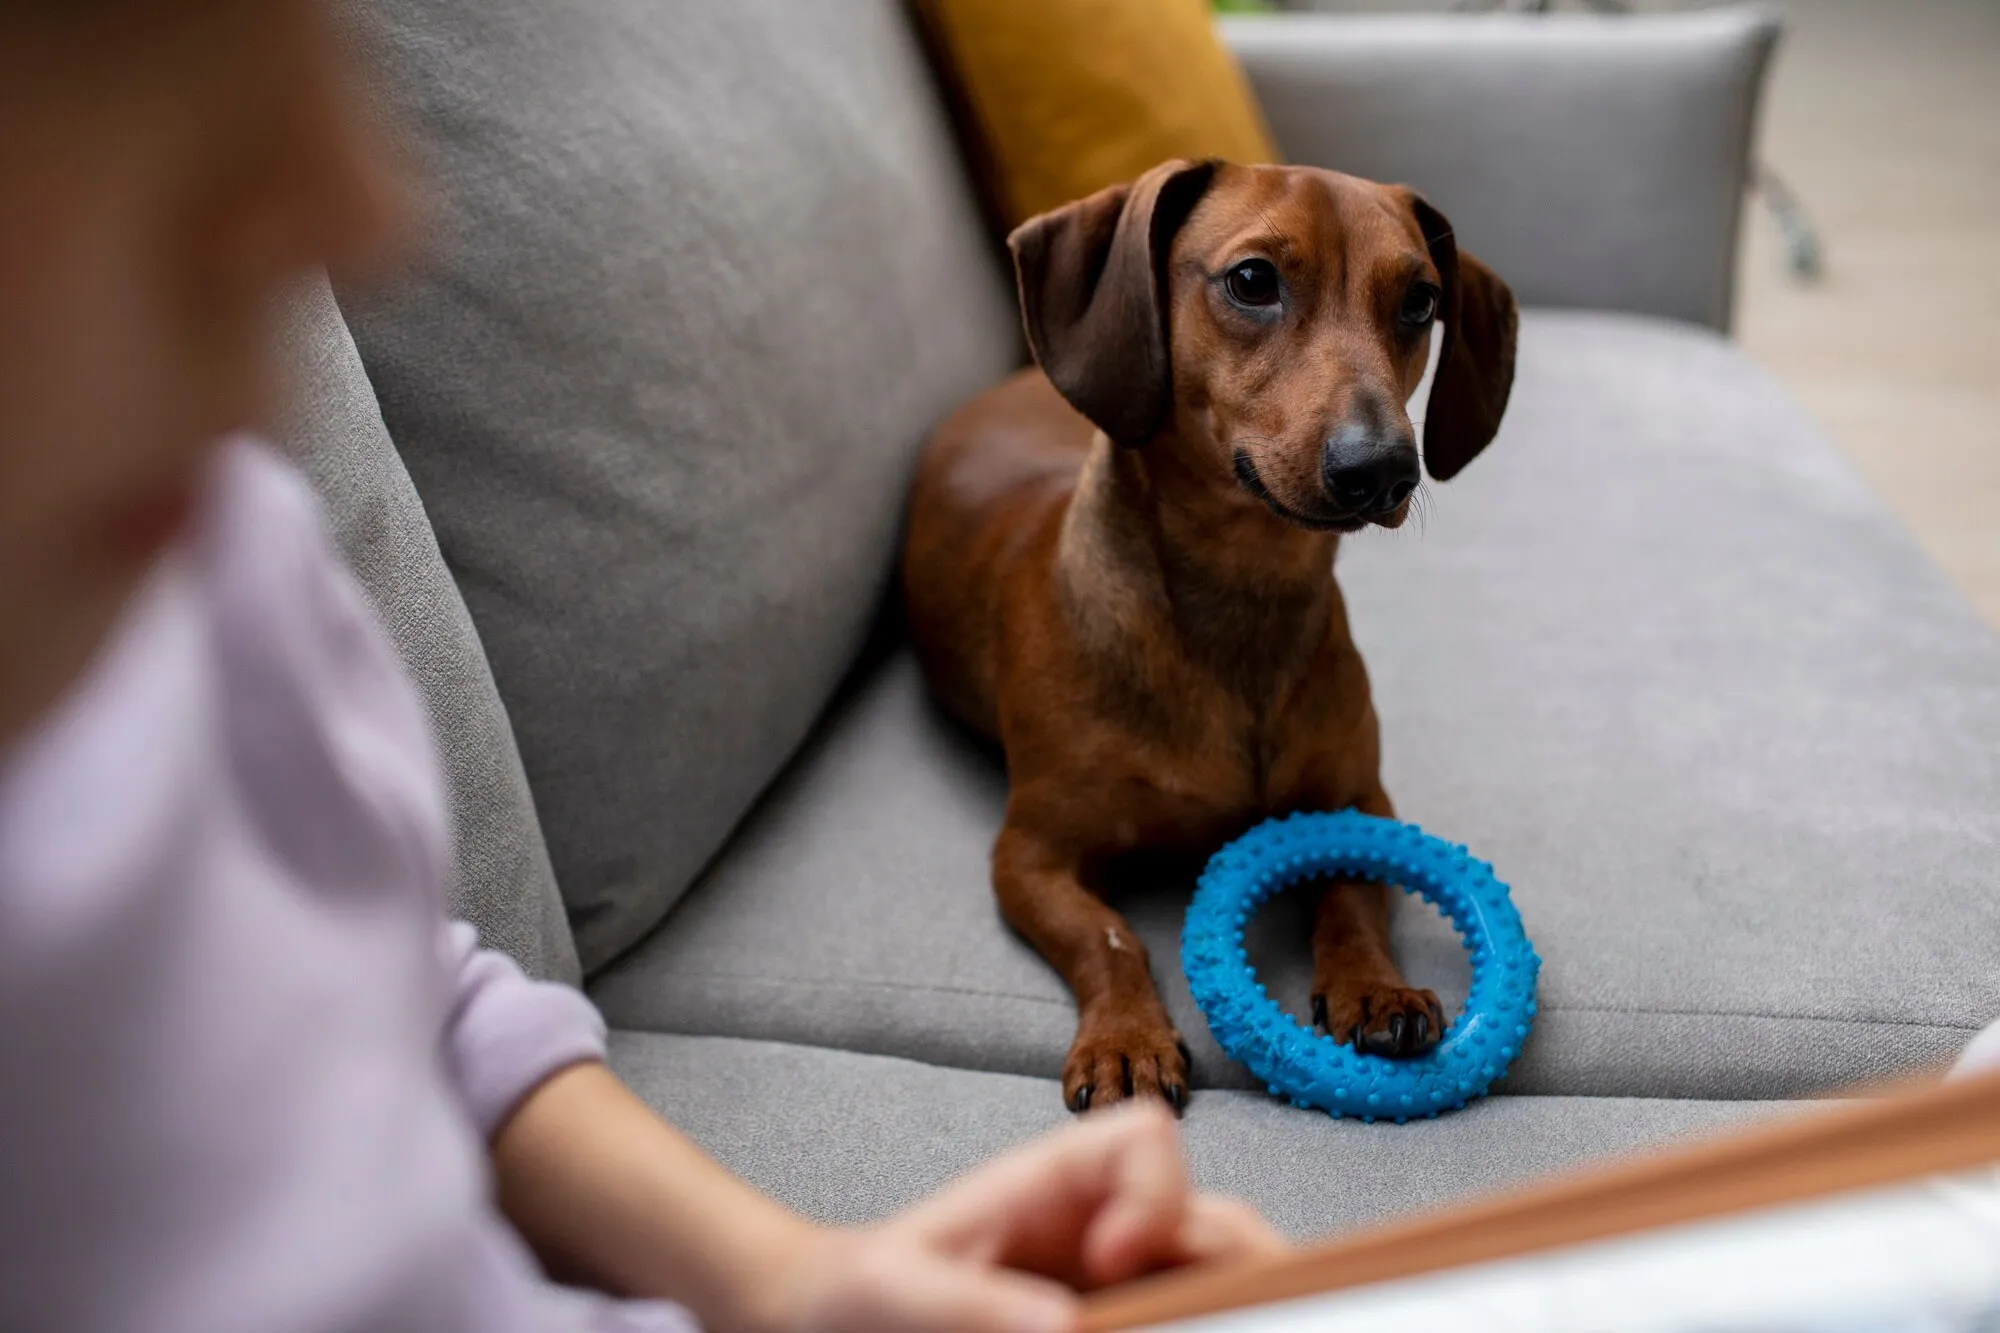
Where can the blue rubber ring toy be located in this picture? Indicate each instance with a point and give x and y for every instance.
(1309, 1067)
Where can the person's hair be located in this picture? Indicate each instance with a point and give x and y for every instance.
(71, 39)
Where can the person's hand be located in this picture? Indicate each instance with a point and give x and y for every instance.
(1006, 1249)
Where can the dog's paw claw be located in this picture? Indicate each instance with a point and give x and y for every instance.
(1398, 1022)
(1114, 1061)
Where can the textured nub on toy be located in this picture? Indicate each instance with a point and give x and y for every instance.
(1308, 1067)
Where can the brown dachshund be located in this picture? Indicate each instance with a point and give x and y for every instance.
(1121, 564)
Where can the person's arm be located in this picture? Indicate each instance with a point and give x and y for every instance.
(607, 1193)
(610, 1196)
(584, 1167)
(507, 1033)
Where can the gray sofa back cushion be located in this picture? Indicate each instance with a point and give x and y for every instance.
(705, 276)
(502, 883)
(1595, 161)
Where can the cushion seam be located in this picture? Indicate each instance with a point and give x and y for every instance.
(854, 984)
(1497, 1095)
(1769, 1018)
(850, 983)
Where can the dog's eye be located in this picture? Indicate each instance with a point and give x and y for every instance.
(1420, 305)
(1254, 282)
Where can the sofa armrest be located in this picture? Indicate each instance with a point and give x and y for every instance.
(1592, 161)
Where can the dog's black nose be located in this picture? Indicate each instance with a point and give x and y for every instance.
(1368, 471)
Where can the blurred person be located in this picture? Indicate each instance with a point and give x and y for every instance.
(250, 1076)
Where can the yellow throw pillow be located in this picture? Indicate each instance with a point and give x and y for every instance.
(1064, 97)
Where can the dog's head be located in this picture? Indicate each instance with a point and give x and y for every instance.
(1271, 323)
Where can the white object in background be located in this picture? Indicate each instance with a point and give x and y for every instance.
(1915, 1258)
(1981, 1053)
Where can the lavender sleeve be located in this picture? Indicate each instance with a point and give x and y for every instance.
(507, 1033)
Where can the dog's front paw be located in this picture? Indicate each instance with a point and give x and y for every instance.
(1118, 1057)
(1382, 1020)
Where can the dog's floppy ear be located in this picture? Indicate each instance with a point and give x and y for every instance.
(1475, 370)
(1094, 299)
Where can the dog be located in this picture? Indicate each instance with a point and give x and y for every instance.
(1119, 562)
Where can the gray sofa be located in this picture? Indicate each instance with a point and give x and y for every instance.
(622, 465)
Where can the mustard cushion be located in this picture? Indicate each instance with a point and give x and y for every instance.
(1060, 98)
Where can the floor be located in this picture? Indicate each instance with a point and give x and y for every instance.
(1884, 118)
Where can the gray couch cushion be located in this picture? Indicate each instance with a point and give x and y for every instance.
(502, 882)
(1629, 138)
(1658, 656)
(706, 277)
(848, 1138)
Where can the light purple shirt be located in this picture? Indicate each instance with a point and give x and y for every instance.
(247, 1068)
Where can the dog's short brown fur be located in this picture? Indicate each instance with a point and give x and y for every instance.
(1120, 564)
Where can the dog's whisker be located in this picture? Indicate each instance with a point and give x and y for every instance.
(1269, 221)
(1420, 508)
